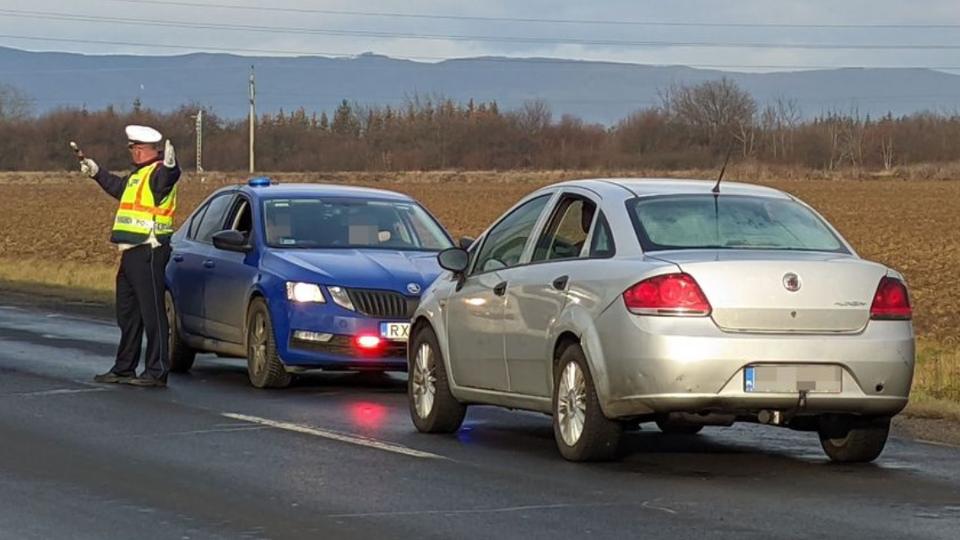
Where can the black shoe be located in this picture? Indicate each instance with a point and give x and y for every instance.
(111, 377)
(147, 382)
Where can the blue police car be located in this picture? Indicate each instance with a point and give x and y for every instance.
(300, 276)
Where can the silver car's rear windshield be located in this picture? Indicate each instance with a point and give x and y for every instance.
(674, 222)
(315, 223)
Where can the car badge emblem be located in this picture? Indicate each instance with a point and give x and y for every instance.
(413, 288)
(791, 282)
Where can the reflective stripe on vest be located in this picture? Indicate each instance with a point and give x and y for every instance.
(138, 214)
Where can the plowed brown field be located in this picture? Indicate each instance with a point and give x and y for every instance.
(54, 229)
(913, 226)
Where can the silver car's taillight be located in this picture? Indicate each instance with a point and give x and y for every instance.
(891, 301)
(676, 295)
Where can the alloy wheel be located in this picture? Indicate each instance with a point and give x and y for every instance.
(424, 381)
(571, 403)
(258, 344)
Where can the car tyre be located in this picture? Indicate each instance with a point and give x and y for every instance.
(854, 441)
(180, 355)
(432, 406)
(264, 367)
(580, 429)
(674, 428)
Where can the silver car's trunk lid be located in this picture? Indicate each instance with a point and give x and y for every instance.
(750, 291)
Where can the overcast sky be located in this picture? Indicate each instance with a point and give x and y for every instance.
(394, 28)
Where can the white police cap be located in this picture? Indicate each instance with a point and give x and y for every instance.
(143, 134)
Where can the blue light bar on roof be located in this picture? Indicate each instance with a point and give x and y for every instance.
(259, 181)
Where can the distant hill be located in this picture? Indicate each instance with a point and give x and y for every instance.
(594, 91)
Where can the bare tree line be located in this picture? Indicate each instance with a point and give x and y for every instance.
(691, 126)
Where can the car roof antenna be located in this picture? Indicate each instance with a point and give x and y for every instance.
(716, 187)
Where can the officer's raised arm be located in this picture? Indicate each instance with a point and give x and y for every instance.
(110, 182)
(165, 177)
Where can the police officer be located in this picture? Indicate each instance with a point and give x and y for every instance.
(141, 229)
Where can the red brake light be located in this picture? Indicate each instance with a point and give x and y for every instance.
(669, 294)
(368, 342)
(891, 301)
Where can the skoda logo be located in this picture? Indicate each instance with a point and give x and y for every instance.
(791, 282)
(413, 288)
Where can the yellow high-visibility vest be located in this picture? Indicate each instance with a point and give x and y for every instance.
(138, 214)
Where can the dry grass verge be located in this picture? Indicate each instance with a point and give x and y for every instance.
(66, 279)
(936, 381)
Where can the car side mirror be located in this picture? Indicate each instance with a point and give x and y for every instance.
(231, 240)
(455, 260)
(467, 241)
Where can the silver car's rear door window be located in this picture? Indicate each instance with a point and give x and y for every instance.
(602, 245)
(567, 231)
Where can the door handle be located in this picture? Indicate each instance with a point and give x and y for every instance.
(500, 289)
(177, 257)
(209, 264)
(561, 283)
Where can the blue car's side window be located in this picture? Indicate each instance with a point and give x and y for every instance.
(213, 219)
(195, 221)
(241, 217)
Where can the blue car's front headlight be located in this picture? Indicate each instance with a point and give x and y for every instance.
(304, 292)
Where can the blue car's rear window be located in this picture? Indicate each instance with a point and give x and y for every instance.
(351, 223)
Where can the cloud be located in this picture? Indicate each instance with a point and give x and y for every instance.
(145, 38)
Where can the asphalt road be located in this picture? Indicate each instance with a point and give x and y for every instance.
(335, 456)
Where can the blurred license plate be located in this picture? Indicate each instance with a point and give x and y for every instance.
(395, 331)
(790, 379)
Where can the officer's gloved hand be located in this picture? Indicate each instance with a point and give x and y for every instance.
(89, 167)
(169, 156)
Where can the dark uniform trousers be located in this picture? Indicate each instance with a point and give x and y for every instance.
(140, 310)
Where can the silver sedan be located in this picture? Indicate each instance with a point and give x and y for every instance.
(611, 302)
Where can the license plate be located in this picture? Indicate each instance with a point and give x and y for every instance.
(792, 379)
(395, 331)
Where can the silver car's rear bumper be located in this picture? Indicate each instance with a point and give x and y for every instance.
(643, 365)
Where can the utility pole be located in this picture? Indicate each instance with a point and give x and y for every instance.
(253, 114)
(199, 141)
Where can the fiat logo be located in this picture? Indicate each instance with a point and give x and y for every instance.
(413, 288)
(791, 282)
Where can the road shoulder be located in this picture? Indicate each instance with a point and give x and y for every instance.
(937, 430)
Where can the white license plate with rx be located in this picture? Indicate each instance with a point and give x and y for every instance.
(395, 331)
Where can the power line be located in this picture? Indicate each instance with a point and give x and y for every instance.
(383, 14)
(476, 38)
